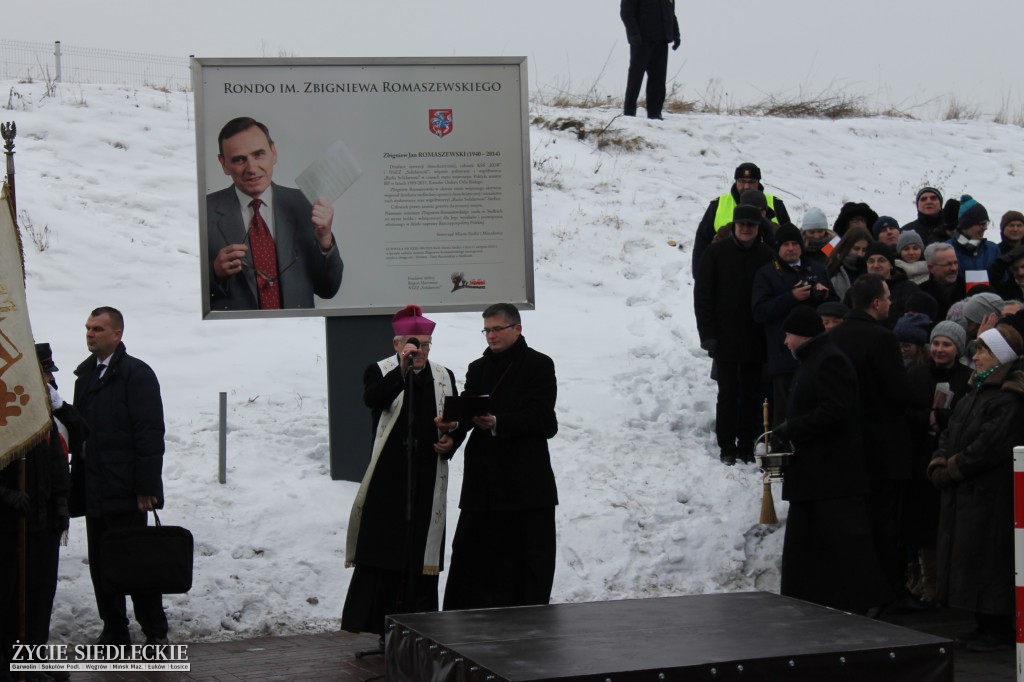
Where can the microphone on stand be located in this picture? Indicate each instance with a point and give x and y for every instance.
(412, 354)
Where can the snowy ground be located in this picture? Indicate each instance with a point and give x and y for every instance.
(646, 508)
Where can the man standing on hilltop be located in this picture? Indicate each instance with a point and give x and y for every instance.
(650, 26)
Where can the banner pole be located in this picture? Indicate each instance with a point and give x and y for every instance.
(1018, 554)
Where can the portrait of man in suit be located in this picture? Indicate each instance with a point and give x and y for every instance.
(269, 247)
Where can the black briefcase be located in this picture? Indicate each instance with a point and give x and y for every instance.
(148, 559)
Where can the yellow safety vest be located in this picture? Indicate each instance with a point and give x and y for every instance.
(726, 204)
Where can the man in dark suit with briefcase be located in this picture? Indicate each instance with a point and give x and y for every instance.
(116, 478)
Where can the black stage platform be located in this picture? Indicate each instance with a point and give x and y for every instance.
(742, 636)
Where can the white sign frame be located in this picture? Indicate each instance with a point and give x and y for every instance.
(440, 155)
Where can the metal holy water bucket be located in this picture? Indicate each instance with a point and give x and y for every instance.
(778, 456)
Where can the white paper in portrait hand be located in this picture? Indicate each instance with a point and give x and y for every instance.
(329, 176)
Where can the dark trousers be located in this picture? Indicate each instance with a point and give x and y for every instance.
(828, 557)
(652, 59)
(149, 609)
(885, 514)
(42, 550)
(738, 408)
(780, 396)
(501, 558)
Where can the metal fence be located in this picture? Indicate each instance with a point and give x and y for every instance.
(55, 62)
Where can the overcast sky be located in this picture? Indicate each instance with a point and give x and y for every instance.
(903, 53)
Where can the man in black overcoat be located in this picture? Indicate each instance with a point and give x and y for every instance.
(827, 557)
(885, 397)
(503, 553)
(728, 332)
(116, 478)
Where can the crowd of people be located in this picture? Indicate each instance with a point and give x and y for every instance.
(890, 358)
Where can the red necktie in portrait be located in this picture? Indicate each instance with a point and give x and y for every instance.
(264, 259)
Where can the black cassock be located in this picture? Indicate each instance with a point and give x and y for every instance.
(388, 576)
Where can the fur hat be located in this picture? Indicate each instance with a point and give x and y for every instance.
(747, 171)
(814, 219)
(409, 321)
(851, 210)
(971, 213)
(803, 321)
(952, 331)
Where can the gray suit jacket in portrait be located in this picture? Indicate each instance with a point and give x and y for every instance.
(303, 268)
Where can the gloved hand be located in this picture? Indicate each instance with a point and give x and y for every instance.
(938, 473)
(676, 43)
(709, 345)
(635, 40)
(15, 499)
(55, 400)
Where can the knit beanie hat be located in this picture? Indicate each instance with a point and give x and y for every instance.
(924, 190)
(978, 306)
(814, 219)
(882, 223)
(747, 171)
(953, 332)
(924, 303)
(912, 328)
(803, 321)
(880, 249)
(788, 233)
(1009, 217)
(907, 238)
(971, 213)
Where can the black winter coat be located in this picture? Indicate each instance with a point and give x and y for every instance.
(975, 548)
(511, 470)
(773, 301)
(47, 484)
(945, 296)
(652, 21)
(824, 426)
(721, 300)
(884, 393)
(124, 450)
(922, 380)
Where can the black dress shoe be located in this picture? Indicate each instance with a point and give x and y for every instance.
(114, 637)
